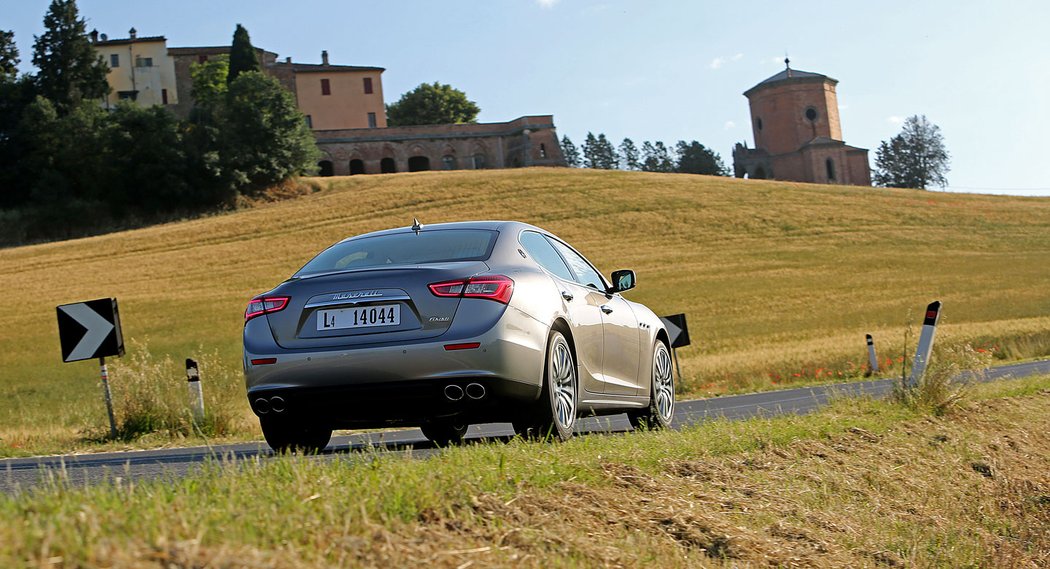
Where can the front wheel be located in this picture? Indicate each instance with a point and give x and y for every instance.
(660, 411)
(287, 436)
(555, 412)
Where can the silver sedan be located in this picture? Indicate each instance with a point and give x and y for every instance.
(441, 326)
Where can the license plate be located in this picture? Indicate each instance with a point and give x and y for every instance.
(359, 317)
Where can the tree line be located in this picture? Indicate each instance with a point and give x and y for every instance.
(598, 152)
(69, 166)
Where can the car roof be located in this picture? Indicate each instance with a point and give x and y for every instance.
(491, 225)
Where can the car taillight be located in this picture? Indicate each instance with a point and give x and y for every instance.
(491, 287)
(265, 305)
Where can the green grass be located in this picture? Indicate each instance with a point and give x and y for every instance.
(780, 281)
(857, 482)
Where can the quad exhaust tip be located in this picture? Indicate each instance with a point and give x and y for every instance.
(453, 392)
(475, 390)
(262, 406)
(276, 404)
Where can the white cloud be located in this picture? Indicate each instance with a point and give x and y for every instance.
(729, 125)
(895, 120)
(546, 3)
(718, 62)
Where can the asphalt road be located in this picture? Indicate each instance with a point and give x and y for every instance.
(19, 474)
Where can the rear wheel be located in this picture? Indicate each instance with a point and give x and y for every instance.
(660, 412)
(443, 433)
(555, 412)
(287, 436)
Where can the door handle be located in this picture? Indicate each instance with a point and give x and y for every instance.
(606, 309)
(566, 295)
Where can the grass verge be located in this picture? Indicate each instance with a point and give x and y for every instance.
(862, 483)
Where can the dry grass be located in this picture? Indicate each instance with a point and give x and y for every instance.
(862, 484)
(780, 281)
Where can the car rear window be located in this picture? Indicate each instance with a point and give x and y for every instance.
(427, 246)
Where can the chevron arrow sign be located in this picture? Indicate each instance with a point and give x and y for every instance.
(89, 330)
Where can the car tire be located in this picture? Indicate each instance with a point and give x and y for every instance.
(660, 411)
(556, 411)
(443, 433)
(286, 436)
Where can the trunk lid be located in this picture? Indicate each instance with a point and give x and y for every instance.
(367, 306)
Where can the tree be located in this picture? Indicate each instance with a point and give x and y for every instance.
(264, 135)
(695, 158)
(70, 70)
(242, 55)
(8, 57)
(432, 103)
(599, 153)
(629, 156)
(656, 157)
(569, 151)
(145, 161)
(915, 158)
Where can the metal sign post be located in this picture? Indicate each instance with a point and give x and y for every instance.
(193, 381)
(873, 361)
(922, 351)
(89, 330)
(109, 398)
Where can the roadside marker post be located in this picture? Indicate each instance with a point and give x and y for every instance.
(873, 361)
(90, 330)
(925, 347)
(193, 380)
(678, 334)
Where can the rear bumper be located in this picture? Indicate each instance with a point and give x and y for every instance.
(404, 383)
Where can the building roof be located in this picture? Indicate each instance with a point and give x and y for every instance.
(790, 75)
(320, 68)
(126, 41)
(210, 50)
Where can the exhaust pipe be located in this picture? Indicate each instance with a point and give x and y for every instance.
(262, 406)
(453, 392)
(475, 390)
(277, 404)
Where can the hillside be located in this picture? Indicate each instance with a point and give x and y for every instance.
(778, 280)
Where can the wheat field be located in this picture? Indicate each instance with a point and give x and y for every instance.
(779, 281)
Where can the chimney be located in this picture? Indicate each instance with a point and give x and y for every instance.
(288, 60)
(94, 36)
(324, 57)
(132, 33)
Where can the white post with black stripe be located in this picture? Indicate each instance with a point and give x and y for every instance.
(925, 347)
(873, 360)
(193, 381)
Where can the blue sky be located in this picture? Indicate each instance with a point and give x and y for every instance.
(661, 70)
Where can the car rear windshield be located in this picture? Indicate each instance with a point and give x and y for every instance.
(427, 246)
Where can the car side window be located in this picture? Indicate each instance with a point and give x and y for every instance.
(544, 254)
(585, 273)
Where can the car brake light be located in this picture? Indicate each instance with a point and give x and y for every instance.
(491, 287)
(265, 305)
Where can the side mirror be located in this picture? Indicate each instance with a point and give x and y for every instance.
(622, 280)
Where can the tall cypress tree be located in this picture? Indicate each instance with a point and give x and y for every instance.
(8, 56)
(242, 54)
(569, 150)
(70, 69)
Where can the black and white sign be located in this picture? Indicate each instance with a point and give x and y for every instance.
(677, 330)
(89, 330)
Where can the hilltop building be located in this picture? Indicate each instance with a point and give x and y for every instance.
(798, 136)
(343, 105)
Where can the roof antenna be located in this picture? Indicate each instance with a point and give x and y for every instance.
(416, 225)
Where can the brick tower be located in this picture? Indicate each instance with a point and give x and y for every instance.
(798, 136)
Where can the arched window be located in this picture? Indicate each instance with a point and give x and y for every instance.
(387, 166)
(479, 161)
(830, 165)
(418, 164)
(325, 167)
(448, 162)
(357, 166)
(811, 114)
(543, 150)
